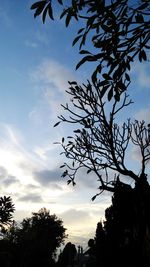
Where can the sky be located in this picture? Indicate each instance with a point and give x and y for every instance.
(36, 61)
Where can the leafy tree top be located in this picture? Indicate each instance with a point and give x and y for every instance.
(6, 210)
(115, 33)
(42, 231)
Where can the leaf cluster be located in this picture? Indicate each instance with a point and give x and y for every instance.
(44, 8)
(118, 33)
(34, 240)
(114, 34)
(7, 208)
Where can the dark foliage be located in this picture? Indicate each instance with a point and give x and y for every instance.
(35, 240)
(114, 34)
(68, 256)
(124, 235)
(6, 210)
(117, 32)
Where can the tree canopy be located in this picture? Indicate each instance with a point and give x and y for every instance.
(34, 241)
(6, 210)
(114, 34)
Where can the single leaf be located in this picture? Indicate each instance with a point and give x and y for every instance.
(50, 11)
(110, 94)
(44, 14)
(94, 77)
(104, 89)
(143, 55)
(76, 39)
(117, 96)
(37, 4)
(57, 124)
(127, 77)
(68, 18)
(62, 166)
(77, 131)
(93, 198)
(81, 30)
(63, 13)
(84, 52)
(39, 8)
(83, 60)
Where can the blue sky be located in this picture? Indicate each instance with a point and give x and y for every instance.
(36, 61)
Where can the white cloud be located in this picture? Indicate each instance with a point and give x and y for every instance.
(50, 80)
(16, 161)
(31, 44)
(143, 114)
(24, 174)
(53, 73)
(13, 155)
(33, 183)
(142, 74)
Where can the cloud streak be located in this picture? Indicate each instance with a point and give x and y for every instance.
(50, 81)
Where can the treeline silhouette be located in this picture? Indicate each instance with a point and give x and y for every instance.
(122, 239)
(33, 242)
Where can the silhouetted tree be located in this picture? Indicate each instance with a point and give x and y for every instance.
(115, 33)
(118, 33)
(102, 146)
(68, 256)
(99, 144)
(36, 239)
(100, 245)
(124, 235)
(7, 208)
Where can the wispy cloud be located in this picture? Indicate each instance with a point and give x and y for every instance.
(143, 114)
(5, 17)
(20, 167)
(46, 176)
(50, 80)
(32, 197)
(54, 74)
(141, 71)
(31, 44)
(42, 37)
